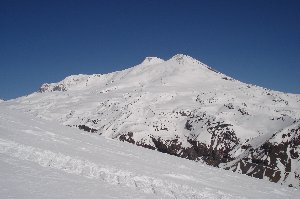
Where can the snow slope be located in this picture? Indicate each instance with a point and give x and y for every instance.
(185, 108)
(39, 157)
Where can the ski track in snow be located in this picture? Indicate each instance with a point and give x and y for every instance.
(113, 176)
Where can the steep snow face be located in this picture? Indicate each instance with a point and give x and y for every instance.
(39, 157)
(185, 108)
(280, 153)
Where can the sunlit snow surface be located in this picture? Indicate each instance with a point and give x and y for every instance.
(41, 159)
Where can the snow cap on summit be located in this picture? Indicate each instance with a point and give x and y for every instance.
(181, 59)
(152, 60)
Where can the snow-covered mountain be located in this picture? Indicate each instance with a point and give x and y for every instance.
(42, 159)
(184, 108)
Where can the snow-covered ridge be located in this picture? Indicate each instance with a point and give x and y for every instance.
(182, 107)
(68, 82)
(177, 70)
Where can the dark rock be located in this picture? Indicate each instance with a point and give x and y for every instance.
(127, 137)
(86, 128)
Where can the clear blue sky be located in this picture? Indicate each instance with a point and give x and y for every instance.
(41, 41)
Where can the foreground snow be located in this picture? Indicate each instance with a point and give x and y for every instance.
(38, 158)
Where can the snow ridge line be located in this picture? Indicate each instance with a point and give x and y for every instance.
(112, 176)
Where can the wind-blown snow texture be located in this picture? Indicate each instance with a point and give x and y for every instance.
(39, 157)
(184, 108)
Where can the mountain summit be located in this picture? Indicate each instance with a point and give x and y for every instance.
(180, 71)
(152, 60)
(184, 108)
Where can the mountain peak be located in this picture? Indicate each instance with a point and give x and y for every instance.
(152, 61)
(182, 59)
(184, 108)
(180, 56)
